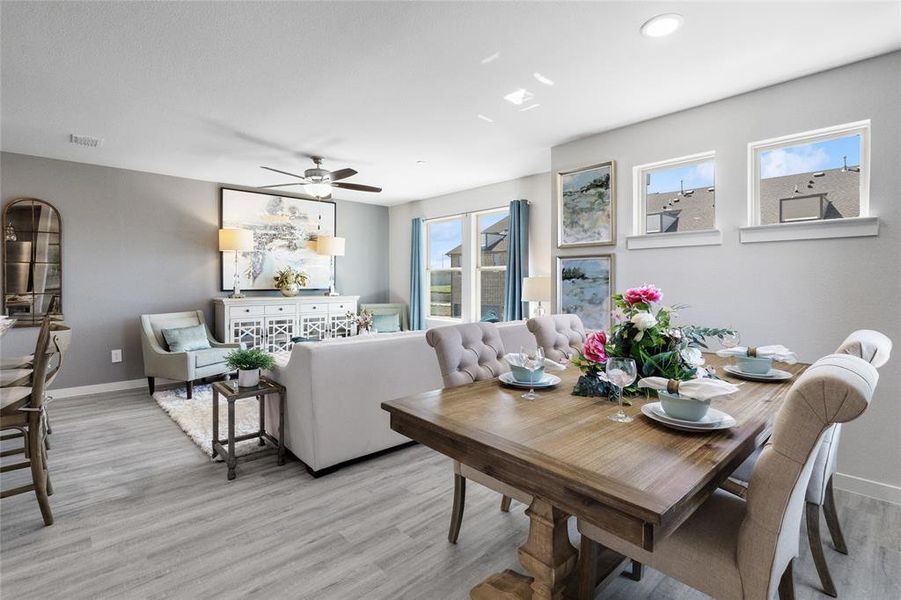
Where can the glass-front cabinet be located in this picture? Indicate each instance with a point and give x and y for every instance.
(32, 261)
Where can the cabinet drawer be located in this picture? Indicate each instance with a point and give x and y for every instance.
(339, 308)
(236, 312)
(281, 309)
(318, 307)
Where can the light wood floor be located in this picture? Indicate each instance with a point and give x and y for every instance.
(142, 513)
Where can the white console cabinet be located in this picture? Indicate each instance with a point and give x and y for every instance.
(270, 322)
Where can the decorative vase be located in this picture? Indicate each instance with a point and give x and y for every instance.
(250, 378)
(290, 290)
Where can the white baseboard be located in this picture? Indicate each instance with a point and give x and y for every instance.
(84, 390)
(866, 487)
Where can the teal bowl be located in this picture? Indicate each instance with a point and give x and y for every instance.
(686, 409)
(754, 364)
(522, 375)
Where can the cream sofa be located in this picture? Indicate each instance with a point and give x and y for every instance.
(336, 388)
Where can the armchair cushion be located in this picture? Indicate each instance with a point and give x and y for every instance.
(386, 323)
(210, 356)
(185, 339)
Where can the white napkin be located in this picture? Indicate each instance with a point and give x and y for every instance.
(514, 359)
(776, 352)
(699, 389)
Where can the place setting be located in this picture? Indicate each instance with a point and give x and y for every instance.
(527, 371)
(756, 363)
(685, 405)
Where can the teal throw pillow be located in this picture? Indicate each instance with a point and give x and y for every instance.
(386, 323)
(185, 339)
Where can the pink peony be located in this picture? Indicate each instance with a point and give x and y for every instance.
(648, 293)
(593, 348)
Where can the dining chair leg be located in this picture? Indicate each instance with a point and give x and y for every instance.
(151, 385)
(588, 567)
(457, 513)
(835, 530)
(505, 503)
(636, 572)
(787, 583)
(189, 385)
(38, 472)
(816, 548)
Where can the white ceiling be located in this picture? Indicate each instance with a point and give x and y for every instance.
(214, 90)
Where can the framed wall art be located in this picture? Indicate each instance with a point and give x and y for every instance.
(586, 206)
(585, 288)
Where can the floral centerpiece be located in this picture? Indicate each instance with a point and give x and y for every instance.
(644, 332)
(289, 281)
(363, 321)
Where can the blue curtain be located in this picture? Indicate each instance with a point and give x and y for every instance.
(417, 278)
(517, 260)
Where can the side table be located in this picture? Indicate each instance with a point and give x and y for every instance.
(260, 391)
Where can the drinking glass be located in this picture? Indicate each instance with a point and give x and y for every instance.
(621, 372)
(532, 362)
(731, 340)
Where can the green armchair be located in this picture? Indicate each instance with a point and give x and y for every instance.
(180, 366)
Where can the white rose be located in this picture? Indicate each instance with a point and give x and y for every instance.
(644, 320)
(693, 356)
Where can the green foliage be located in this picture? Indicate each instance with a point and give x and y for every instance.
(249, 360)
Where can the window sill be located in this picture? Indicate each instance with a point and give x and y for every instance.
(811, 230)
(706, 237)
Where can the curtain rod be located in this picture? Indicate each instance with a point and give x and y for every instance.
(448, 216)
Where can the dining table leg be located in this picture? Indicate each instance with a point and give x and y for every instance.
(547, 555)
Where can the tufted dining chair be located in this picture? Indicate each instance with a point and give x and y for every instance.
(743, 549)
(875, 348)
(468, 353)
(560, 335)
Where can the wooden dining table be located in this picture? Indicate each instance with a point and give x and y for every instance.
(638, 480)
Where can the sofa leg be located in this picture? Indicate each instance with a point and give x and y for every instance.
(189, 385)
(459, 502)
(151, 385)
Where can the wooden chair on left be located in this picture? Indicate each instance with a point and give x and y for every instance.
(23, 415)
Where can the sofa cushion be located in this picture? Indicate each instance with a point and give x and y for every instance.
(210, 356)
(185, 339)
(386, 323)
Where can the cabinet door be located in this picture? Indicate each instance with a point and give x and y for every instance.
(279, 331)
(251, 332)
(342, 325)
(313, 326)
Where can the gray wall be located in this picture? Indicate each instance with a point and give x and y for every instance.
(137, 242)
(807, 295)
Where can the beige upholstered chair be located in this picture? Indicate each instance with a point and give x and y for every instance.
(735, 549)
(180, 366)
(875, 348)
(560, 335)
(467, 353)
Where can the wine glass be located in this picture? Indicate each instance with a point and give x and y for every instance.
(731, 340)
(532, 362)
(621, 372)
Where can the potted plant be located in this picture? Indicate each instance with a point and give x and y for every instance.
(289, 281)
(248, 364)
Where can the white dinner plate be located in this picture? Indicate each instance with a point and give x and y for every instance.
(547, 381)
(713, 421)
(773, 375)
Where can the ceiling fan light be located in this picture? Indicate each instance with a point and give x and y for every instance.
(319, 190)
(662, 25)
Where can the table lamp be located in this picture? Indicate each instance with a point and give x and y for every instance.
(536, 289)
(236, 240)
(331, 246)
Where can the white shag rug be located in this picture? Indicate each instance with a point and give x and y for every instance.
(195, 417)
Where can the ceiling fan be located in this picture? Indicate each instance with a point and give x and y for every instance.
(319, 182)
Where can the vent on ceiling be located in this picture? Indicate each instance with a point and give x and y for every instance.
(86, 140)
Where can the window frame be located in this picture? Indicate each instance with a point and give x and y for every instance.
(477, 265)
(428, 266)
(756, 149)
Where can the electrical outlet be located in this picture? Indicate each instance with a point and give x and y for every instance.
(116, 356)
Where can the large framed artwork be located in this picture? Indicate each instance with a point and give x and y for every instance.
(585, 288)
(285, 230)
(586, 206)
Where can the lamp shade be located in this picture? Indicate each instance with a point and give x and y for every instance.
(536, 289)
(330, 246)
(238, 240)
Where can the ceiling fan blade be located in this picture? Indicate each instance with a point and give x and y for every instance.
(342, 174)
(280, 185)
(356, 186)
(284, 173)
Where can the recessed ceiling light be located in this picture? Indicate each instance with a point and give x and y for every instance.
(491, 58)
(662, 25)
(519, 97)
(484, 118)
(420, 162)
(529, 107)
(542, 79)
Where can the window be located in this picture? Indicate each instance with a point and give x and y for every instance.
(813, 176)
(493, 229)
(675, 195)
(444, 270)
